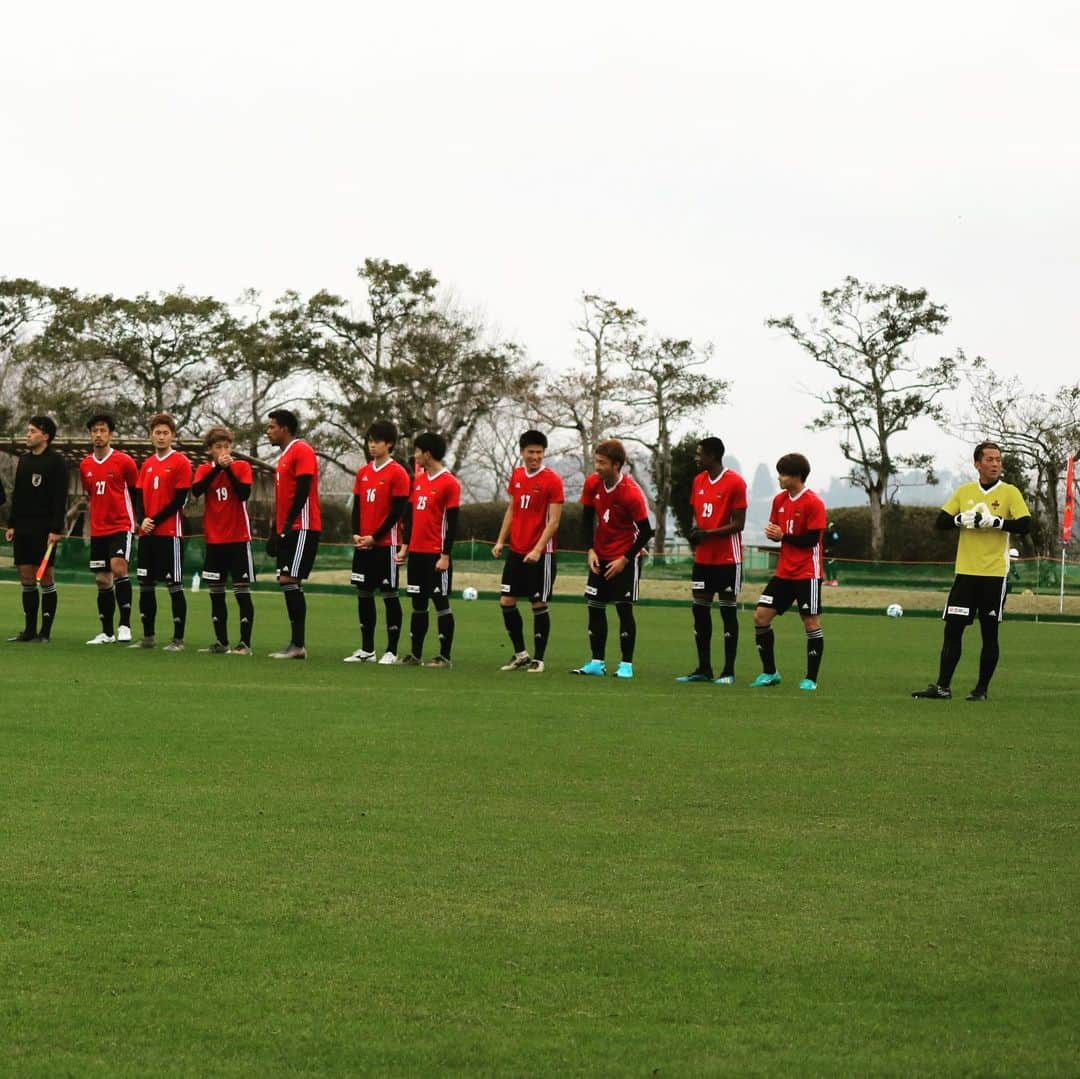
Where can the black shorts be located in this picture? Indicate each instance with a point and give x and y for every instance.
(623, 588)
(29, 548)
(160, 559)
(296, 556)
(781, 592)
(724, 582)
(375, 570)
(971, 596)
(425, 581)
(529, 580)
(103, 549)
(228, 560)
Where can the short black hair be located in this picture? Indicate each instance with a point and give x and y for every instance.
(430, 442)
(793, 464)
(383, 431)
(533, 438)
(101, 417)
(45, 424)
(714, 447)
(982, 447)
(286, 419)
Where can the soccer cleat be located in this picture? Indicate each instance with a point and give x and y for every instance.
(725, 680)
(215, 649)
(696, 676)
(290, 651)
(102, 638)
(175, 645)
(145, 642)
(387, 658)
(933, 692)
(595, 667)
(409, 661)
(360, 656)
(977, 694)
(21, 638)
(439, 661)
(123, 633)
(536, 666)
(40, 639)
(517, 663)
(766, 680)
(241, 650)
(624, 670)
(808, 684)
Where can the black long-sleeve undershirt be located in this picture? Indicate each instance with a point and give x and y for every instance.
(396, 512)
(645, 532)
(200, 487)
(1021, 526)
(451, 530)
(806, 539)
(303, 489)
(175, 506)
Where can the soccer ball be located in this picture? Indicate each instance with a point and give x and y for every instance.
(894, 610)
(469, 593)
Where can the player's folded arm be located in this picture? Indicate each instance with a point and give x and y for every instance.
(398, 505)
(242, 489)
(807, 539)
(175, 506)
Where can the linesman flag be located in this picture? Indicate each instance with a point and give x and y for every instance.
(1067, 520)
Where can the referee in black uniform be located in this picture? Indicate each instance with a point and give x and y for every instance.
(36, 519)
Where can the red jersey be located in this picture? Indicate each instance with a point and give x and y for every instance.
(431, 497)
(159, 480)
(714, 501)
(375, 489)
(618, 509)
(797, 515)
(297, 459)
(225, 517)
(530, 495)
(107, 483)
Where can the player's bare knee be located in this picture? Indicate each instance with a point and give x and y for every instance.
(763, 617)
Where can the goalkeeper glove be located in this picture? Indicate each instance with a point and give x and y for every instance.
(988, 520)
(967, 519)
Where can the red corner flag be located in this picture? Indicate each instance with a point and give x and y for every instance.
(1067, 520)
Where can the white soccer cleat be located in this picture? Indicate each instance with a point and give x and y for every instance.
(102, 638)
(360, 656)
(123, 633)
(387, 658)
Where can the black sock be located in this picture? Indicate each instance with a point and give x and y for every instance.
(147, 609)
(598, 631)
(703, 636)
(951, 649)
(541, 630)
(991, 650)
(30, 604)
(365, 611)
(122, 585)
(393, 623)
(179, 610)
(730, 615)
(106, 605)
(219, 614)
(247, 614)
(48, 608)
(627, 631)
(766, 643)
(446, 627)
(418, 627)
(515, 627)
(296, 606)
(815, 649)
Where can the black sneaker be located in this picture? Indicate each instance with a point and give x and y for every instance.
(22, 638)
(977, 694)
(933, 692)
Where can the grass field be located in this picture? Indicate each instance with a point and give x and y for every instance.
(219, 866)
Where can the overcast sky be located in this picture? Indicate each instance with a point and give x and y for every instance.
(709, 164)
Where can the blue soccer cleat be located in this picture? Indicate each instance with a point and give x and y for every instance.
(695, 676)
(808, 684)
(766, 680)
(595, 667)
(625, 670)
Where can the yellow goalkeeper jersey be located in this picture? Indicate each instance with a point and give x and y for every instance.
(984, 552)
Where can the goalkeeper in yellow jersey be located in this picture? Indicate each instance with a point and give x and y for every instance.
(985, 512)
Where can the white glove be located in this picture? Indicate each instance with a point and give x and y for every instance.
(988, 521)
(966, 519)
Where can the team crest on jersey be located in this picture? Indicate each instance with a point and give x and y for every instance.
(36, 479)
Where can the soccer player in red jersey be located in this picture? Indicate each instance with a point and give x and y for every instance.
(430, 529)
(718, 498)
(164, 482)
(615, 507)
(226, 485)
(531, 521)
(797, 522)
(109, 479)
(380, 495)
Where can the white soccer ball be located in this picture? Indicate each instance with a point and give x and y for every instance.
(469, 593)
(894, 610)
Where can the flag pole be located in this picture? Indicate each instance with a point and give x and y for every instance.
(1066, 528)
